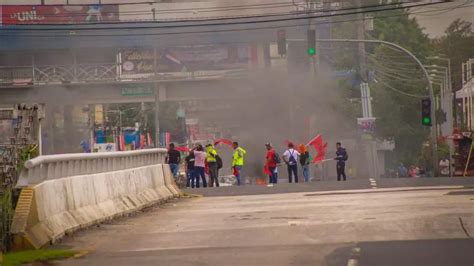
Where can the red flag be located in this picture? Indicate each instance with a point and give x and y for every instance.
(266, 170)
(142, 141)
(317, 143)
(223, 141)
(182, 149)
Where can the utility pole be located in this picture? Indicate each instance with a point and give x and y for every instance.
(365, 90)
(157, 98)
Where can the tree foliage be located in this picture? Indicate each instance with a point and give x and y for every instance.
(458, 45)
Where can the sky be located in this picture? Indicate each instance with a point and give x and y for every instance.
(435, 23)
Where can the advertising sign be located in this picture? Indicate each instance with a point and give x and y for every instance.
(137, 90)
(139, 63)
(105, 147)
(57, 14)
(366, 127)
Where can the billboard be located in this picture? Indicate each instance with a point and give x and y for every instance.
(140, 62)
(57, 14)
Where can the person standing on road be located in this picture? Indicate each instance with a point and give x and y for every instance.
(212, 164)
(444, 167)
(271, 162)
(199, 165)
(173, 158)
(305, 161)
(238, 161)
(290, 157)
(402, 171)
(190, 170)
(341, 158)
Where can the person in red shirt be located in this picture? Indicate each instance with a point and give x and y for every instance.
(271, 163)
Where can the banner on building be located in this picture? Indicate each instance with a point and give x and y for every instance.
(57, 14)
(137, 63)
(105, 147)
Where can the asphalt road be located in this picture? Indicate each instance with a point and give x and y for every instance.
(357, 227)
(353, 184)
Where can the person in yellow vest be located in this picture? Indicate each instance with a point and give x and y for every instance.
(238, 161)
(211, 159)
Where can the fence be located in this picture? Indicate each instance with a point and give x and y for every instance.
(83, 73)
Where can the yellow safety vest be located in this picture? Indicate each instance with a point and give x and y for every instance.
(238, 157)
(211, 155)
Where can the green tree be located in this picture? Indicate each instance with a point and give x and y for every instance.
(457, 45)
(400, 84)
(397, 81)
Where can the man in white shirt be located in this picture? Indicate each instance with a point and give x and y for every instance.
(290, 157)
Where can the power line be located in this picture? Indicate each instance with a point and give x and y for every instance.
(173, 11)
(264, 20)
(105, 4)
(72, 34)
(207, 9)
(395, 70)
(399, 91)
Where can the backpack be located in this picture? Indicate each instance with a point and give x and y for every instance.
(346, 156)
(219, 162)
(276, 158)
(291, 160)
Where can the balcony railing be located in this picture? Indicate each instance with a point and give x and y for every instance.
(84, 73)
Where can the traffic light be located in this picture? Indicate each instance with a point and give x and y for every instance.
(426, 112)
(281, 40)
(311, 42)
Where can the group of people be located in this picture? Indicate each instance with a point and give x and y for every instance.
(201, 161)
(412, 171)
(292, 156)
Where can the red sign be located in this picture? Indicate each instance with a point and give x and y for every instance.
(61, 14)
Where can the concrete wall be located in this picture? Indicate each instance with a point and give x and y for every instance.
(51, 209)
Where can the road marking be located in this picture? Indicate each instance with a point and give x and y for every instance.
(354, 253)
(294, 223)
(352, 262)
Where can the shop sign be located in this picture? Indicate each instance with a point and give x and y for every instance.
(137, 91)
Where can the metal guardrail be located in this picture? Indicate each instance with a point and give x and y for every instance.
(50, 167)
(83, 73)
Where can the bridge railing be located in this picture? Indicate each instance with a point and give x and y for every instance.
(49, 167)
(105, 72)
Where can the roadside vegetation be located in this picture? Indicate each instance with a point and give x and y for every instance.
(22, 257)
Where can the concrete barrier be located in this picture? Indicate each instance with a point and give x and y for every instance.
(53, 208)
(169, 181)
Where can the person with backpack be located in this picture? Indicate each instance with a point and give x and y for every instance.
(238, 161)
(272, 159)
(290, 157)
(211, 159)
(305, 161)
(341, 158)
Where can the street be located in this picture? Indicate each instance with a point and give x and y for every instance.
(394, 226)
